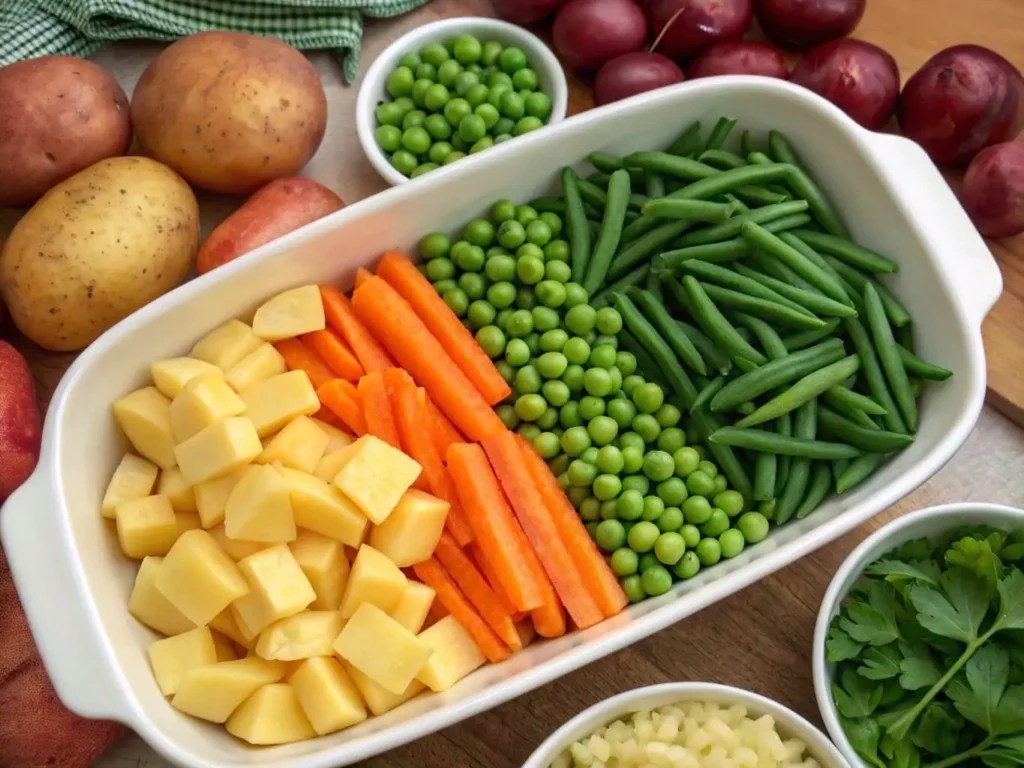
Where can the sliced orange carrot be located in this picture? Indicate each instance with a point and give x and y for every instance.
(442, 432)
(476, 589)
(416, 442)
(528, 502)
(395, 380)
(333, 395)
(298, 357)
(589, 563)
(380, 421)
(350, 389)
(527, 632)
(327, 416)
(412, 286)
(340, 316)
(433, 574)
(485, 568)
(435, 614)
(549, 618)
(362, 275)
(332, 349)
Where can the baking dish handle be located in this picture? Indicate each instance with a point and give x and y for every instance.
(55, 602)
(964, 257)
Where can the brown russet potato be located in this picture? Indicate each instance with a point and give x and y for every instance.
(97, 247)
(230, 111)
(60, 114)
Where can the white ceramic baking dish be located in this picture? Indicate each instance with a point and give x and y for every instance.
(74, 583)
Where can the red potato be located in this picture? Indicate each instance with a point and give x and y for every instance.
(633, 73)
(993, 191)
(684, 28)
(20, 428)
(525, 11)
(859, 78)
(278, 208)
(803, 24)
(962, 100)
(587, 33)
(739, 57)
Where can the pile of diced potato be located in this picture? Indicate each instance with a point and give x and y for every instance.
(272, 543)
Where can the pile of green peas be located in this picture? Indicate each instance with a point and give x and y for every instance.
(627, 458)
(456, 99)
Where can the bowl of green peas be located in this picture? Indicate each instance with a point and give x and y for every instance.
(454, 88)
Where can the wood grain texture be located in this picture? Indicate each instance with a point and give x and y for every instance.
(761, 637)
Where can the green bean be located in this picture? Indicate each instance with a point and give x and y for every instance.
(719, 158)
(796, 342)
(549, 205)
(808, 300)
(918, 367)
(654, 287)
(842, 398)
(644, 362)
(858, 470)
(838, 467)
(780, 271)
(732, 227)
(764, 308)
(689, 141)
(714, 253)
(872, 370)
(606, 162)
(576, 221)
(713, 322)
(846, 250)
(894, 310)
(776, 373)
(766, 467)
(759, 158)
(727, 278)
(867, 439)
(724, 455)
(655, 312)
(762, 196)
(631, 214)
(654, 184)
(738, 180)
(636, 277)
(593, 194)
(820, 485)
(694, 210)
(720, 133)
(772, 245)
(904, 333)
(740, 205)
(784, 427)
(593, 213)
(594, 227)
(713, 356)
(709, 391)
(658, 348)
(821, 207)
(645, 246)
(747, 142)
(671, 165)
(682, 301)
(640, 227)
(611, 231)
(782, 151)
(760, 440)
(767, 337)
(888, 354)
(600, 178)
(852, 295)
(810, 386)
(638, 201)
(805, 428)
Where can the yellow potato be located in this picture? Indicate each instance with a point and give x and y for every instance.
(96, 248)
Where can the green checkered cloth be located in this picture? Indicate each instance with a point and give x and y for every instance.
(30, 28)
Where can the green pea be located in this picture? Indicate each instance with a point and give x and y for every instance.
(447, 72)
(481, 315)
(410, 60)
(501, 319)
(538, 233)
(731, 542)
(646, 426)
(400, 82)
(721, 483)
(439, 152)
(654, 508)
(560, 463)
(527, 380)
(700, 483)
(553, 340)
(582, 473)
(467, 49)
(500, 268)
(624, 561)
(630, 504)
(559, 272)
(632, 459)
(608, 320)
(648, 397)
(499, 79)
(503, 128)
(517, 353)
(580, 319)
(575, 440)
(709, 551)
(591, 407)
(643, 536)
(669, 548)
(550, 293)
(575, 295)
(569, 416)
(419, 91)
(626, 363)
(696, 510)
(435, 245)
(507, 371)
(604, 339)
(527, 124)
(491, 339)
(405, 162)
(577, 350)
(519, 323)
(671, 520)
(647, 560)
(691, 535)
(573, 378)
(490, 52)
(389, 137)
(671, 439)
(507, 414)
(530, 407)
(453, 156)
(475, 286)
(500, 294)
(530, 269)
(636, 482)
(502, 211)
(607, 486)
(457, 301)
(538, 105)
(577, 494)
(708, 468)
(590, 509)
(511, 60)
(549, 419)
(630, 382)
(716, 524)
(622, 411)
(470, 259)
(632, 586)
(610, 535)
(609, 459)
(556, 392)
(597, 382)
(440, 269)
(753, 526)
(672, 491)
(603, 356)
(688, 566)
(686, 461)
(434, 53)
(389, 113)
(457, 110)
(603, 430)
(658, 466)
(552, 365)
(730, 502)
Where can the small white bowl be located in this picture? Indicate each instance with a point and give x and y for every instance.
(788, 722)
(373, 90)
(925, 523)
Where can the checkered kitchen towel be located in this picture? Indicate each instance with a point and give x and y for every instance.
(30, 28)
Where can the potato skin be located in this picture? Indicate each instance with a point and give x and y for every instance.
(97, 247)
(61, 114)
(229, 111)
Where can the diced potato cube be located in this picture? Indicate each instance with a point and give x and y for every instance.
(133, 479)
(224, 647)
(198, 577)
(262, 363)
(300, 445)
(376, 477)
(252, 615)
(324, 562)
(225, 623)
(336, 438)
(171, 376)
(145, 418)
(236, 548)
(306, 634)
(455, 654)
(324, 509)
(226, 344)
(205, 399)
(260, 508)
(172, 657)
(327, 695)
(382, 649)
(213, 692)
(148, 604)
(332, 463)
(212, 497)
(181, 495)
(276, 576)
(374, 579)
(377, 698)
(272, 715)
(412, 530)
(274, 402)
(146, 527)
(413, 606)
(221, 448)
(290, 314)
(187, 521)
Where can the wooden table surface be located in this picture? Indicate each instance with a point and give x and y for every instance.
(760, 638)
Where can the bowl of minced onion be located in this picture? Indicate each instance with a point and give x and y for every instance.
(687, 725)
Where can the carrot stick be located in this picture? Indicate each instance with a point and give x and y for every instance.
(412, 286)
(476, 589)
(435, 614)
(380, 421)
(340, 316)
(586, 557)
(334, 352)
(390, 318)
(396, 380)
(347, 408)
(350, 389)
(416, 442)
(485, 568)
(362, 275)
(528, 502)
(433, 574)
(327, 416)
(441, 430)
(298, 357)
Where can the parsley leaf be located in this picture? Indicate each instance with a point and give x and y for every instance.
(854, 695)
(839, 646)
(959, 615)
(978, 556)
(864, 734)
(925, 571)
(938, 729)
(880, 663)
(873, 622)
(917, 667)
(986, 675)
(904, 754)
(1011, 601)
